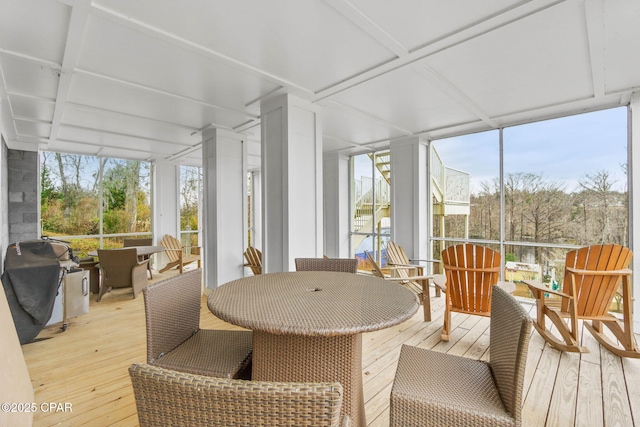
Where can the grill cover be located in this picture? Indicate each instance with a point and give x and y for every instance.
(31, 278)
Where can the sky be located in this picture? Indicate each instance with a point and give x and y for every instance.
(563, 150)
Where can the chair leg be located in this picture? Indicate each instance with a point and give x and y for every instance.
(426, 300)
(446, 328)
(627, 347)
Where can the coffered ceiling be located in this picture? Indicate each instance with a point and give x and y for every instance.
(141, 79)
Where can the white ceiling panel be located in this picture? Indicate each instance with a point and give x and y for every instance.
(103, 139)
(101, 120)
(101, 93)
(29, 78)
(621, 19)
(407, 99)
(419, 23)
(143, 60)
(140, 79)
(35, 28)
(342, 124)
(536, 62)
(305, 42)
(40, 130)
(95, 150)
(32, 108)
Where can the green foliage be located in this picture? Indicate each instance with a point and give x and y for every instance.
(509, 257)
(70, 202)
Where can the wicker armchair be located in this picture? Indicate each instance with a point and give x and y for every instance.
(169, 398)
(465, 392)
(129, 242)
(174, 338)
(343, 265)
(120, 268)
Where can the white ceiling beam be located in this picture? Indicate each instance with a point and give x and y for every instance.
(75, 35)
(246, 126)
(124, 134)
(595, 36)
(495, 22)
(184, 152)
(31, 120)
(358, 17)
(101, 147)
(29, 58)
(366, 24)
(6, 112)
(453, 92)
(29, 96)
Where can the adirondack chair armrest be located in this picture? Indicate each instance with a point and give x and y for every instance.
(426, 260)
(623, 272)
(473, 269)
(401, 267)
(532, 284)
(508, 287)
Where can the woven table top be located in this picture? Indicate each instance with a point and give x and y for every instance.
(313, 303)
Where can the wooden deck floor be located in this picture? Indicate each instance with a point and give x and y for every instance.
(87, 367)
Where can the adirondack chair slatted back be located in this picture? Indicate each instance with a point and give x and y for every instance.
(254, 260)
(171, 242)
(396, 254)
(471, 271)
(375, 268)
(595, 292)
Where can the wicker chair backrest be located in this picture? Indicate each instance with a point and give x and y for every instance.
(165, 397)
(172, 310)
(509, 342)
(343, 265)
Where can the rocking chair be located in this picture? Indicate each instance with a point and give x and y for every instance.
(591, 281)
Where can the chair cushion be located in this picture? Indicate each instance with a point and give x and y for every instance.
(437, 389)
(213, 353)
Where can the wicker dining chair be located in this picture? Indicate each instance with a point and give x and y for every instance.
(147, 241)
(437, 389)
(343, 265)
(174, 338)
(120, 268)
(169, 398)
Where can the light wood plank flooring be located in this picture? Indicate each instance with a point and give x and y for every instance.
(87, 367)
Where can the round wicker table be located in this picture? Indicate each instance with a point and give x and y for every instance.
(307, 326)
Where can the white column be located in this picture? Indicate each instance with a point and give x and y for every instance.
(166, 204)
(291, 182)
(336, 205)
(257, 209)
(225, 206)
(409, 196)
(634, 190)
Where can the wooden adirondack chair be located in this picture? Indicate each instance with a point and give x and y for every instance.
(176, 255)
(254, 260)
(418, 284)
(592, 279)
(471, 271)
(397, 257)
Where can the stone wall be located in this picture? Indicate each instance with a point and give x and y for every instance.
(22, 171)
